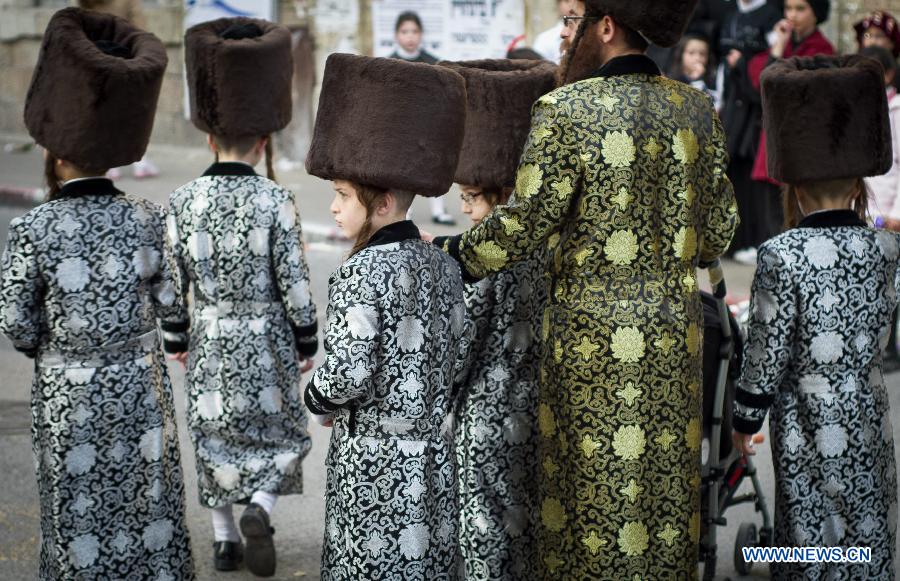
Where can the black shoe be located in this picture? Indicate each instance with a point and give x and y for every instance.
(444, 219)
(259, 555)
(227, 556)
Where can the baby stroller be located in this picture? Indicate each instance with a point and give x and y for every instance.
(724, 469)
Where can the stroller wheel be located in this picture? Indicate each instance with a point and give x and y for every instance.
(746, 537)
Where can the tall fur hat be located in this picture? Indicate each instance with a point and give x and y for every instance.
(661, 22)
(500, 96)
(94, 90)
(826, 118)
(389, 124)
(239, 74)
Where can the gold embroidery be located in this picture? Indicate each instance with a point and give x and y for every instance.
(686, 243)
(608, 102)
(563, 188)
(621, 247)
(632, 491)
(668, 535)
(553, 562)
(550, 467)
(622, 199)
(665, 342)
(652, 148)
(692, 434)
(633, 539)
(593, 542)
(618, 149)
(693, 339)
(689, 282)
(528, 180)
(628, 344)
(665, 439)
(689, 195)
(629, 393)
(676, 99)
(511, 225)
(553, 515)
(586, 349)
(491, 255)
(685, 147)
(628, 442)
(589, 446)
(546, 421)
(583, 255)
(542, 133)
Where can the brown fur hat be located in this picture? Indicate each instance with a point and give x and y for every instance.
(826, 118)
(389, 124)
(240, 84)
(661, 22)
(500, 95)
(87, 106)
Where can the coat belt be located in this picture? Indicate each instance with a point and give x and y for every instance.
(101, 355)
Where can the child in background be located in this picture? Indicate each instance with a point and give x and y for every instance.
(694, 64)
(84, 280)
(237, 241)
(396, 322)
(496, 432)
(823, 296)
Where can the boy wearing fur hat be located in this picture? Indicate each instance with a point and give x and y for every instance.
(823, 296)
(496, 433)
(84, 280)
(623, 181)
(237, 242)
(387, 130)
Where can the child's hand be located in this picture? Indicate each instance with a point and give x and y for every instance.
(180, 357)
(427, 236)
(305, 365)
(744, 443)
(783, 30)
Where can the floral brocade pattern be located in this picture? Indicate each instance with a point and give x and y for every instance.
(79, 275)
(238, 247)
(632, 195)
(497, 431)
(395, 341)
(820, 319)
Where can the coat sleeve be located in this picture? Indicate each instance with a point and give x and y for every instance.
(721, 216)
(292, 276)
(21, 291)
(174, 317)
(351, 346)
(547, 182)
(770, 337)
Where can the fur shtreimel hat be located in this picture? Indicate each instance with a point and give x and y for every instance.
(389, 124)
(826, 118)
(661, 22)
(500, 96)
(93, 95)
(239, 74)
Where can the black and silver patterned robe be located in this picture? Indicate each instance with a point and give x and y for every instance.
(237, 242)
(394, 344)
(83, 282)
(822, 301)
(496, 434)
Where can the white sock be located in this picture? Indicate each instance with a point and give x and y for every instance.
(224, 528)
(264, 499)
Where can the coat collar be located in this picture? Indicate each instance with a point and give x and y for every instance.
(230, 168)
(89, 187)
(629, 64)
(396, 232)
(831, 219)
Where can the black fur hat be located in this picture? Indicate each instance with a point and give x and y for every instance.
(826, 118)
(388, 123)
(500, 96)
(661, 22)
(93, 94)
(239, 74)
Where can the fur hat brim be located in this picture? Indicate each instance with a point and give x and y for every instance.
(389, 124)
(826, 118)
(500, 95)
(239, 87)
(88, 107)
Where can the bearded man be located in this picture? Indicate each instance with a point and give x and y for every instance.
(623, 182)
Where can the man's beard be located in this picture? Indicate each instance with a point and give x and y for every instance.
(582, 58)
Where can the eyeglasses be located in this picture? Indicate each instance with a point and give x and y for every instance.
(469, 198)
(569, 20)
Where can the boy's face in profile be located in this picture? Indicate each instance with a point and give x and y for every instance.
(349, 214)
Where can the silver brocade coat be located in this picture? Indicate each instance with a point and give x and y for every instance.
(394, 343)
(496, 435)
(822, 301)
(236, 239)
(83, 282)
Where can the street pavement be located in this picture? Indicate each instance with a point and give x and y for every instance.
(298, 520)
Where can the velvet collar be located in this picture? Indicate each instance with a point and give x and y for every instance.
(89, 187)
(831, 219)
(629, 64)
(396, 232)
(230, 168)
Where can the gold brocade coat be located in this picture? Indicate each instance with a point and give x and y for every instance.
(623, 180)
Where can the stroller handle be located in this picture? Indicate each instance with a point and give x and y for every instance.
(716, 278)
